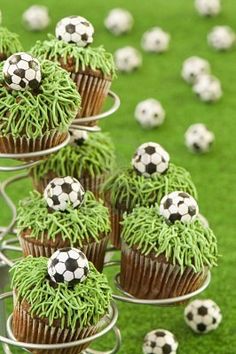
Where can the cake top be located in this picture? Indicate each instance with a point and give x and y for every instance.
(9, 43)
(185, 244)
(35, 112)
(83, 304)
(77, 225)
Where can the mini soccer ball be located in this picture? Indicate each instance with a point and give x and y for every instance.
(63, 192)
(69, 266)
(193, 67)
(198, 138)
(149, 159)
(150, 113)
(202, 316)
(221, 38)
(119, 21)
(160, 341)
(155, 40)
(208, 7)
(75, 29)
(36, 18)
(179, 206)
(127, 59)
(208, 88)
(22, 71)
(78, 137)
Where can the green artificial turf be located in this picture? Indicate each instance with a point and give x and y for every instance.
(214, 173)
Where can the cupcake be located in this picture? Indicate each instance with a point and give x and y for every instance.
(9, 43)
(167, 255)
(145, 183)
(89, 158)
(38, 103)
(58, 300)
(65, 216)
(92, 69)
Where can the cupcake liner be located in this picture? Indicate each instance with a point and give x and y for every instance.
(116, 216)
(150, 277)
(94, 251)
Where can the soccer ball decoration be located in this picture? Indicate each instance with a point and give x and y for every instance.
(78, 137)
(221, 38)
(150, 159)
(36, 18)
(155, 40)
(160, 341)
(202, 316)
(193, 67)
(149, 113)
(179, 206)
(198, 138)
(127, 59)
(208, 7)
(22, 71)
(75, 29)
(208, 88)
(69, 266)
(119, 21)
(63, 192)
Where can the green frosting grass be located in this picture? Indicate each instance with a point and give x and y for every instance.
(190, 244)
(9, 43)
(94, 157)
(78, 225)
(128, 189)
(32, 114)
(89, 57)
(84, 304)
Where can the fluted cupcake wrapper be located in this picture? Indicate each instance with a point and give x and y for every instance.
(116, 216)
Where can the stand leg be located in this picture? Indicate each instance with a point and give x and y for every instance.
(4, 280)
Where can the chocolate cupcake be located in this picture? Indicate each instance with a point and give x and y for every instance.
(65, 216)
(59, 300)
(89, 158)
(166, 257)
(92, 69)
(145, 183)
(9, 43)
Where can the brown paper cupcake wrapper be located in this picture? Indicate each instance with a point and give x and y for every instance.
(116, 216)
(146, 278)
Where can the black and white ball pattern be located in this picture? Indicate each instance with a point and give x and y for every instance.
(36, 18)
(119, 21)
(179, 206)
(127, 59)
(78, 137)
(202, 316)
(63, 192)
(155, 40)
(208, 88)
(193, 67)
(149, 159)
(208, 7)
(198, 138)
(69, 266)
(160, 341)
(22, 71)
(149, 113)
(221, 38)
(75, 29)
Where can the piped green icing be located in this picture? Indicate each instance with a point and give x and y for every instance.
(83, 305)
(94, 157)
(129, 189)
(89, 57)
(78, 225)
(32, 114)
(189, 244)
(9, 43)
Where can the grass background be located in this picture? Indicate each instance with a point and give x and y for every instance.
(214, 173)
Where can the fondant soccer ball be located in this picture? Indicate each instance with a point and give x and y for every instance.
(22, 71)
(160, 341)
(208, 7)
(127, 59)
(208, 88)
(221, 38)
(69, 266)
(149, 113)
(155, 40)
(198, 138)
(63, 192)
(179, 206)
(36, 18)
(119, 21)
(149, 159)
(202, 316)
(75, 29)
(78, 137)
(193, 67)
